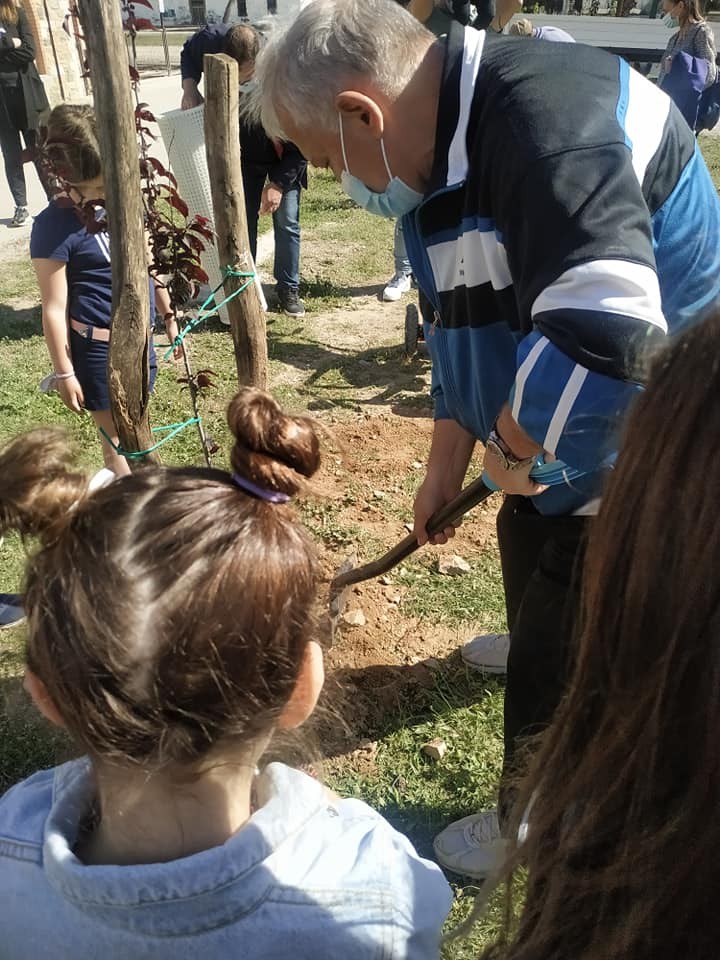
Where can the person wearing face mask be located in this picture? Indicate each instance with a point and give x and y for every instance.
(436, 16)
(688, 66)
(560, 219)
(273, 172)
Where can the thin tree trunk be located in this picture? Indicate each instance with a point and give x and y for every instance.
(128, 364)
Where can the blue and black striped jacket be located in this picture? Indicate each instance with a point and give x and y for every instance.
(570, 224)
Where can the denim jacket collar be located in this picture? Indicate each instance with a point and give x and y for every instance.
(209, 889)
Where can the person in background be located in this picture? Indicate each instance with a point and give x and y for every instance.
(688, 66)
(74, 274)
(524, 28)
(273, 172)
(553, 261)
(22, 102)
(619, 842)
(171, 631)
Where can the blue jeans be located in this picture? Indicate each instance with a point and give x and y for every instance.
(402, 264)
(286, 225)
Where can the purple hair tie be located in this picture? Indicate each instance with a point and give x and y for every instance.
(271, 496)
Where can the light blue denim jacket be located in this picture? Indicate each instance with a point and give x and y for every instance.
(305, 878)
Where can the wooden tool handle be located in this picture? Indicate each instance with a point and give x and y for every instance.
(468, 498)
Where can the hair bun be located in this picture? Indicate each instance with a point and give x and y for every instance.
(271, 448)
(37, 484)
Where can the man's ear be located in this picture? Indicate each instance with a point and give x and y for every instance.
(41, 698)
(307, 689)
(356, 106)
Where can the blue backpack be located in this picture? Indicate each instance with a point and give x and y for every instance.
(684, 83)
(709, 109)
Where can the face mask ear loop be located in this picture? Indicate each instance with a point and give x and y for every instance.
(385, 159)
(342, 143)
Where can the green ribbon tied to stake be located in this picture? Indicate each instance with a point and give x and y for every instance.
(171, 430)
(204, 313)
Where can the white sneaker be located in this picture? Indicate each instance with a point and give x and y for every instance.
(472, 846)
(396, 287)
(487, 653)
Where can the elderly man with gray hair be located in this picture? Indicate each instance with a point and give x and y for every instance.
(561, 221)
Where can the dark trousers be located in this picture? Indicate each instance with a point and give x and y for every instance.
(13, 123)
(541, 561)
(286, 227)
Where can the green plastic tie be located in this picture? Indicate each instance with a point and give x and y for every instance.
(171, 430)
(202, 315)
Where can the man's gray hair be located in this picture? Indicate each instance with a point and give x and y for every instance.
(303, 67)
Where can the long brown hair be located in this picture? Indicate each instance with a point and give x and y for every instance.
(8, 11)
(692, 12)
(623, 842)
(168, 613)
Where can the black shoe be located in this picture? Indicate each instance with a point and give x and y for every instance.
(11, 611)
(290, 303)
(21, 216)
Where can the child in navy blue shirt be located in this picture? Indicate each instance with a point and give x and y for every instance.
(75, 278)
(171, 630)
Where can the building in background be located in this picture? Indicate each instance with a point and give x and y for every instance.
(199, 12)
(57, 55)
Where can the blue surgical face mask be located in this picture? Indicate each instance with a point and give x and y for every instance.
(395, 201)
(248, 86)
(671, 22)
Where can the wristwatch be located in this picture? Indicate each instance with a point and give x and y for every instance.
(497, 448)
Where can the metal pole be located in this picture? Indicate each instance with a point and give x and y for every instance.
(166, 49)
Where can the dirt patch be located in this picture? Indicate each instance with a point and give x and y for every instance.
(365, 488)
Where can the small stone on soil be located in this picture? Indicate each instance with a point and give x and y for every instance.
(378, 494)
(385, 580)
(435, 749)
(354, 618)
(453, 566)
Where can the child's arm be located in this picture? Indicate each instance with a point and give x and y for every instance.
(163, 307)
(52, 280)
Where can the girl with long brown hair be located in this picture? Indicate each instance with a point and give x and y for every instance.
(620, 836)
(22, 101)
(171, 631)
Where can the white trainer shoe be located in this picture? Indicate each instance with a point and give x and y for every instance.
(487, 653)
(472, 846)
(396, 287)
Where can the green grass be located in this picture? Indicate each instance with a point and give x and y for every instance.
(476, 597)
(153, 38)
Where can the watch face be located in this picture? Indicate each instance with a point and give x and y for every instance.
(496, 451)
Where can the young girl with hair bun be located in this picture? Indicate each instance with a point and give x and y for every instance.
(171, 632)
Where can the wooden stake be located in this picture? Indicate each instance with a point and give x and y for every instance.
(222, 143)
(128, 362)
